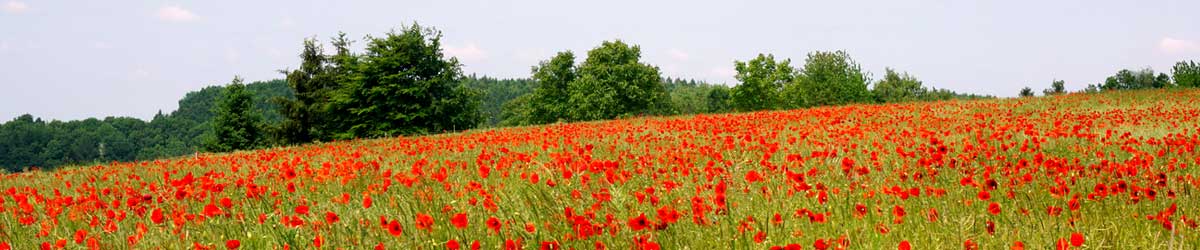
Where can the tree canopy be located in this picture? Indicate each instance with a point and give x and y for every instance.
(1140, 79)
(898, 87)
(236, 126)
(762, 79)
(829, 78)
(1186, 74)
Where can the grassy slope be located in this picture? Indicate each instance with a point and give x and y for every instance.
(601, 168)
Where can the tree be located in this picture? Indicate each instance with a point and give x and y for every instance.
(718, 100)
(1026, 92)
(312, 84)
(404, 85)
(828, 78)
(517, 111)
(613, 82)
(497, 92)
(1186, 74)
(690, 96)
(762, 79)
(1056, 87)
(898, 87)
(550, 100)
(1141, 79)
(236, 126)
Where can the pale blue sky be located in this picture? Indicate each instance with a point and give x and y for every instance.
(78, 59)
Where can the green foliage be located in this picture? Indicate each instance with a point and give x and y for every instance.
(236, 126)
(1057, 87)
(1141, 79)
(517, 112)
(551, 99)
(613, 83)
(828, 78)
(1186, 74)
(27, 142)
(496, 93)
(1026, 92)
(762, 79)
(404, 85)
(935, 94)
(719, 99)
(898, 87)
(693, 97)
(304, 115)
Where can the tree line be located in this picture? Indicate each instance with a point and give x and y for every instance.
(1185, 74)
(401, 83)
(27, 141)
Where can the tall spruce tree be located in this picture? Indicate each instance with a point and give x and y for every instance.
(236, 126)
(312, 84)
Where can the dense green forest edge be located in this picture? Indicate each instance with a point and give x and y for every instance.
(402, 84)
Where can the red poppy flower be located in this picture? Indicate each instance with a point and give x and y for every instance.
(424, 222)
(1018, 246)
(970, 245)
(904, 246)
(668, 214)
(820, 244)
(459, 220)
(233, 244)
(302, 210)
(639, 223)
(211, 210)
(493, 224)
(993, 208)
(984, 195)
(860, 210)
(331, 217)
(157, 216)
(394, 228)
(1077, 239)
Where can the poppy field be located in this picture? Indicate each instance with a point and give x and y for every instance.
(1116, 170)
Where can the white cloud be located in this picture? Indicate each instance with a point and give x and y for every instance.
(15, 7)
(175, 14)
(3, 46)
(468, 53)
(678, 54)
(1172, 45)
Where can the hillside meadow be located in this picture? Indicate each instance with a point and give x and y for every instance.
(1114, 170)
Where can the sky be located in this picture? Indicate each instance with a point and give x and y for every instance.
(69, 60)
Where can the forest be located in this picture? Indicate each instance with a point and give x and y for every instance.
(402, 84)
